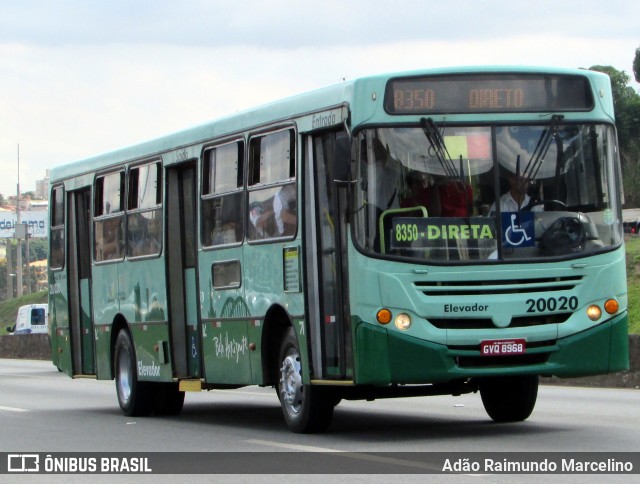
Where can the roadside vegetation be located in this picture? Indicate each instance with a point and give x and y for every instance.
(632, 246)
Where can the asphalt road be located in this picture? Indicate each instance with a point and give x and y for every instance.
(42, 410)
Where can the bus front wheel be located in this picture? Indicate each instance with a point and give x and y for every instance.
(135, 397)
(306, 409)
(509, 399)
(168, 399)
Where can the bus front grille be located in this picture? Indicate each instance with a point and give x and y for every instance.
(498, 286)
(487, 323)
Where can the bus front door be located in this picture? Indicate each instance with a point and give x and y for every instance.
(328, 314)
(79, 282)
(181, 269)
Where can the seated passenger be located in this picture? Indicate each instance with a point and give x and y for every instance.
(259, 218)
(284, 208)
(421, 193)
(456, 198)
(456, 201)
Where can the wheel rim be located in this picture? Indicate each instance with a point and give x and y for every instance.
(124, 376)
(291, 383)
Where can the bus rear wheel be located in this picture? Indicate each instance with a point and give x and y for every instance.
(509, 399)
(135, 397)
(306, 409)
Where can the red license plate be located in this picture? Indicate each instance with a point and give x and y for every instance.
(499, 347)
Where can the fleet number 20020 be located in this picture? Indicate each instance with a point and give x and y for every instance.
(561, 303)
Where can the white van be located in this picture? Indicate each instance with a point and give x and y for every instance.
(32, 319)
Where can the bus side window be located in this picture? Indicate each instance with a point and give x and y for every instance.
(109, 239)
(56, 255)
(272, 209)
(222, 200)
(109, 217)
(144, 214)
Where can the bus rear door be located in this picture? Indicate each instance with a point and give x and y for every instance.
(79, 281)
(181, 270)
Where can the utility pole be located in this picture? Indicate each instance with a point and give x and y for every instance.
(26, 256)
(19, 254)
(10, 274)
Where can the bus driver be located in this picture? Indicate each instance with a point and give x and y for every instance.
(516, 198)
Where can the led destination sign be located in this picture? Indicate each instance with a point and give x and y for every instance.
(488, 93)
(420, 233)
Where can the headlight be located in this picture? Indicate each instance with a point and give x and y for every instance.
(594, 312)
(403, 321)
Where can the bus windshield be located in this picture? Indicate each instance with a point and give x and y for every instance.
(486, 193)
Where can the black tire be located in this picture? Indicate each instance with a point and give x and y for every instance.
(135, 397)
(168, 399)
(509, 399)
(306, 409)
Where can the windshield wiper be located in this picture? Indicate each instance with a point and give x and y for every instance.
(434, 137)
(541, 149)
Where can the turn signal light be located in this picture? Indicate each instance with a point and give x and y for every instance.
(384, 316)
(611, 306)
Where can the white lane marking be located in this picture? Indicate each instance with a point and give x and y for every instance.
(13, 409)
(348, 454)
(303, 448)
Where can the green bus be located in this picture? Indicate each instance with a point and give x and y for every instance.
(435, 232)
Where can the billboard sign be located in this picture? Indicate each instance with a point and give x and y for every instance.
(37, 223)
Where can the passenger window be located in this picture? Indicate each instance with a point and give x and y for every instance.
(109, 191)
(144, 211)
(272, 208)
(145, 186)
(272, 158)
(56, 254)
(226, 275)
(222, 200)
(109, 217)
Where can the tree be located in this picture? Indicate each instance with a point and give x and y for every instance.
(636, 65)
(626, 103)
(3, 279)
(38, 249)
(619, 80)
(630, 159)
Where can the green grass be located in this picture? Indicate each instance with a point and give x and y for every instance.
(9, 309)
(632, 246)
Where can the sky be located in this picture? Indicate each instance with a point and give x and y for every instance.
(83, 77)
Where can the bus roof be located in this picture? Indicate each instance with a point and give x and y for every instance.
(356, 93)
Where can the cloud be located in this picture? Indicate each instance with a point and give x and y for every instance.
(284, 25)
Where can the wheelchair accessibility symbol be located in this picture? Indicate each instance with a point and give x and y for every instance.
(194, 349)
(518, 229)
